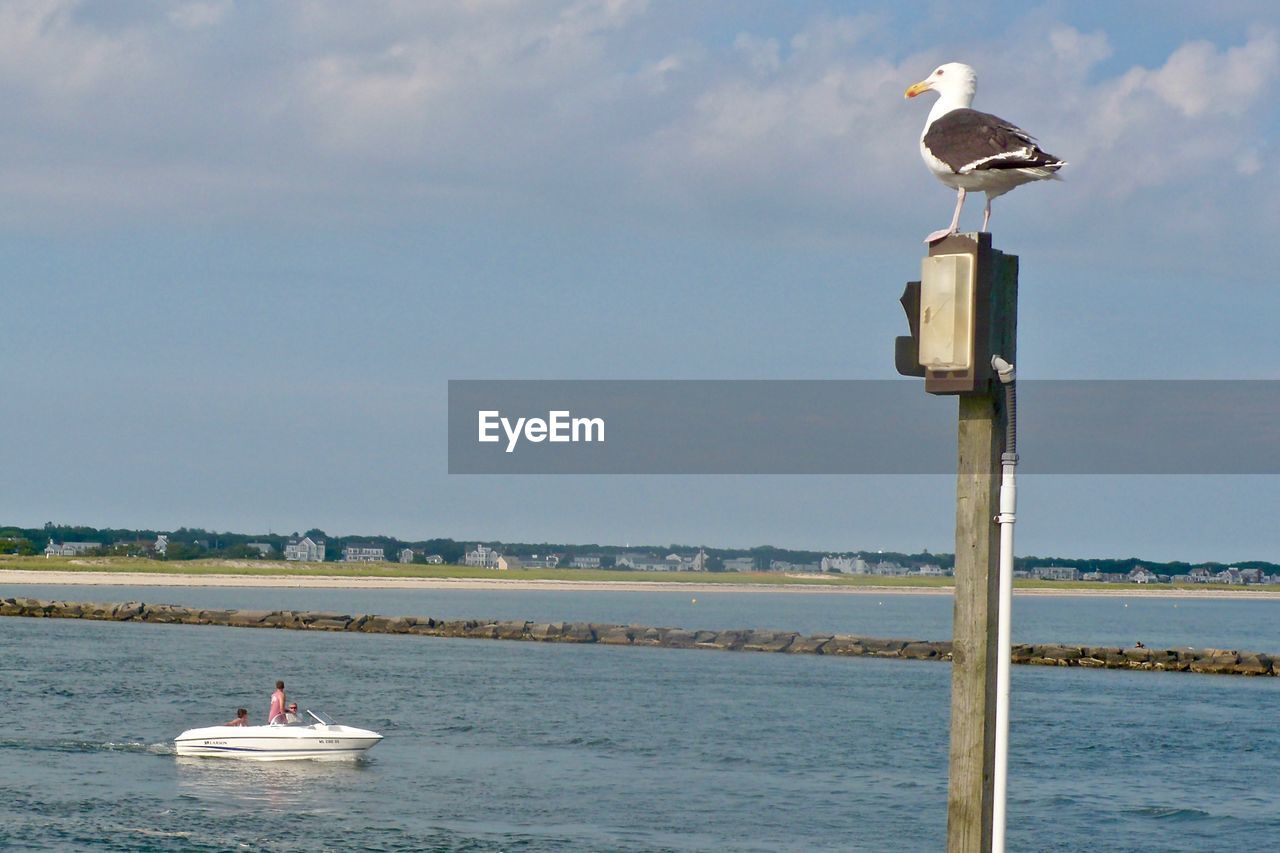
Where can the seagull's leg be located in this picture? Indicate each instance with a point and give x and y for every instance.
(955, 220)
(986, 213)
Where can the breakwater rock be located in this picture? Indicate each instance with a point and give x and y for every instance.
(1216, 661)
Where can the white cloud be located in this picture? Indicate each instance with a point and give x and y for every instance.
(1203, 112)
(1198, 80)
(344, 102)
(1248, 163)
(656, 77)
(195, 16)
(762, 54)
(46, 51)
(823, 120)
(454, 88)
(1076, 53)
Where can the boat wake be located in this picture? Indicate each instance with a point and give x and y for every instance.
(1172, 813)
(81, 746)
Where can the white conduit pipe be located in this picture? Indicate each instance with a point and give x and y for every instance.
(1004, 640)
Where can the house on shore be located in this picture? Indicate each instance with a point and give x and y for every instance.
(790, 568)
(482, 557)
(1141, 574)
(305, 550)
(363, 552)
(1056, 573)
(845, 565)
(70, 549)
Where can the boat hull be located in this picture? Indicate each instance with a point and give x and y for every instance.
(276, 743)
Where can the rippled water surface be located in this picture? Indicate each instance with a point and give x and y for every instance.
(526, 746)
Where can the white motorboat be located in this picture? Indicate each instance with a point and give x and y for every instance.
(277, 742)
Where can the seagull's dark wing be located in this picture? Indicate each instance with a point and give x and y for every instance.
(968, 141)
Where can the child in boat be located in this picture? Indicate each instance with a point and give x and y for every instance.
(242, 718)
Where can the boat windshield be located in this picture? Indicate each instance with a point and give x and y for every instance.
(319, 718)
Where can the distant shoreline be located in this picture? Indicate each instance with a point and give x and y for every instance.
(286, 581)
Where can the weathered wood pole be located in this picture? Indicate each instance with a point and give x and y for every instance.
(980, 441)
(973, 675)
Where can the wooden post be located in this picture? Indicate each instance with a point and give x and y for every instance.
(980, 440)
(973, 673)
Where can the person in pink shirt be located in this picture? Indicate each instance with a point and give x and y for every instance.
(278, 704)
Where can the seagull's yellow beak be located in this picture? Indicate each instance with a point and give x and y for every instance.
(917, 88)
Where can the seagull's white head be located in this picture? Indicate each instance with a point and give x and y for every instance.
(954, 82)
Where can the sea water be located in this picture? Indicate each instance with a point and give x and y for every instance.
(529, 746)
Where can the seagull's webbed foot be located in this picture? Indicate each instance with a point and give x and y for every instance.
(938, 235)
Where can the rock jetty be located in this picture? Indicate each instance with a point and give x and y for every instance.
(1216, 661)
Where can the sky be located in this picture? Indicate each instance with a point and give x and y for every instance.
(246, 245)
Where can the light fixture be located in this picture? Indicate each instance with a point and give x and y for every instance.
(946, 312)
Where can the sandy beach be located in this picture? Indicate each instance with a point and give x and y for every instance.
(25, 577)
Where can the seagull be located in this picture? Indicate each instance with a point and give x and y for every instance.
(969, 150)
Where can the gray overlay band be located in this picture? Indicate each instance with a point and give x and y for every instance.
(867, 427)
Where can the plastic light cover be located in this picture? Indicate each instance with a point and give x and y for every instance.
(946, 312)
